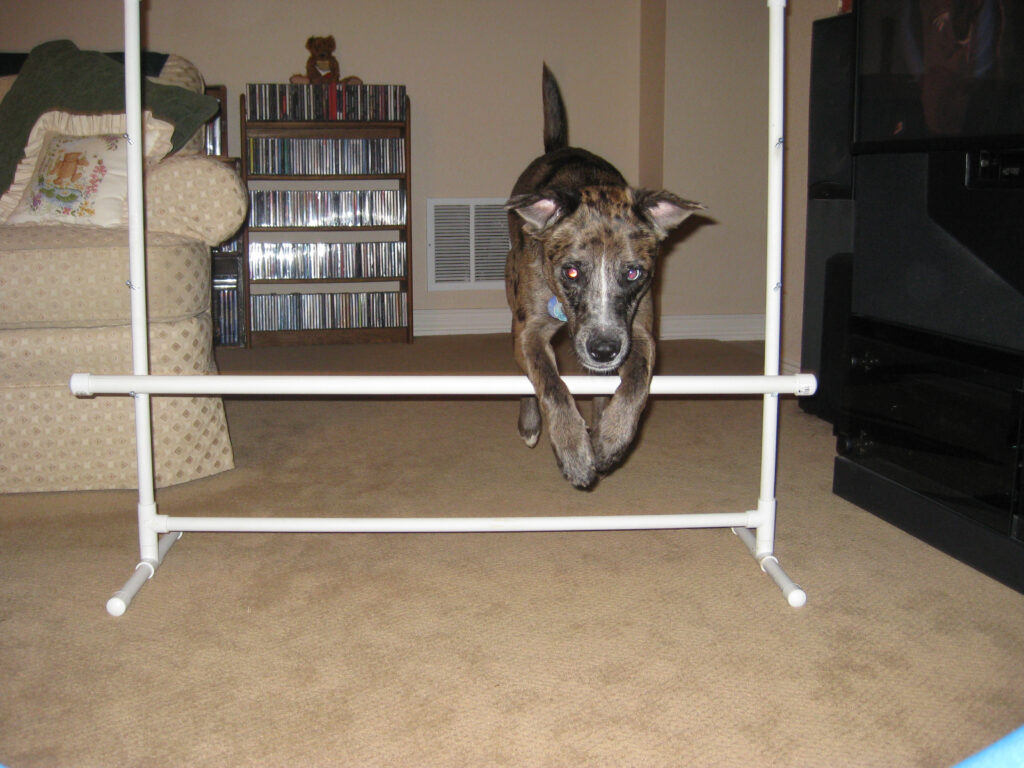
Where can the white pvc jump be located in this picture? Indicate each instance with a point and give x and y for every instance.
(87, 384)
(158, 533)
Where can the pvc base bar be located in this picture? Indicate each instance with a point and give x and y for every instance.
(172, 529)
(453, 524)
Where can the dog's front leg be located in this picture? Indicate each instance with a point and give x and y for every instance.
(597, 408)
(615, 422)
(567, 430)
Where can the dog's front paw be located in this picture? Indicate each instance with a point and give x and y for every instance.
(608, 454)
(574, 453)
(612, 437)
(579, 469)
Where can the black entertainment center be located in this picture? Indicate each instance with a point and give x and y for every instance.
(914, 281)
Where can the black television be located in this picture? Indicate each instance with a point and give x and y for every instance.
(938, 75)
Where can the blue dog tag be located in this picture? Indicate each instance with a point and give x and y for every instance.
(555, 309)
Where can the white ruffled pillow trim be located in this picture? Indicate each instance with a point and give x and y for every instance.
(156, 144)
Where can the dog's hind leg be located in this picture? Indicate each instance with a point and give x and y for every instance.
(529, 421)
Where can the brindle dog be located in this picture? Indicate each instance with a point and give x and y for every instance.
(584, 247)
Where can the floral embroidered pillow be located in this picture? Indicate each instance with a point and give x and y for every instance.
(77, 179)
(75, 170)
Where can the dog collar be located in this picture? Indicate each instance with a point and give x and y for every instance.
(555, 309)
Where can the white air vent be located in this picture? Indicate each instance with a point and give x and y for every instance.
(467, 242)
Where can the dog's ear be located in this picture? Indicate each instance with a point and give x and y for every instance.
(663, 210)
(540, 212)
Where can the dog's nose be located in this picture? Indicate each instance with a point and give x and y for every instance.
(602, 349)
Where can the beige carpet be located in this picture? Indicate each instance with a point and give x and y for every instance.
(564, 649)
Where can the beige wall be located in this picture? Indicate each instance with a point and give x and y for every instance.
(716, 107)
(473, 72)
(651, 115)
(716, 151)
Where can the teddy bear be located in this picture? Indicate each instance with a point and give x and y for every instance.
(321, 66)
(68, 169)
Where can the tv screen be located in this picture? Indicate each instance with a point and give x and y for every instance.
(935, 74)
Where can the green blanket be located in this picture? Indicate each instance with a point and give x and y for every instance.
(57, 75)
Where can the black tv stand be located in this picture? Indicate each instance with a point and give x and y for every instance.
(914, 277)
(930, 439)
(927, 518)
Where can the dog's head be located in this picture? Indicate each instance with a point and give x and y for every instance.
(600, 247)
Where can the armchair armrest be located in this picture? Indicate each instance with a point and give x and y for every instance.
(195, 196)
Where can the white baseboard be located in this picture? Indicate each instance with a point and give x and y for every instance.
(452, 322)
(458, 322)
(717, 327)
(455, 322)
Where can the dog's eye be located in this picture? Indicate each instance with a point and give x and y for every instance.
(633, 273)
(571, 272)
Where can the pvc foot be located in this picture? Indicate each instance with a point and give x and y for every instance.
(144, 571)
(118, 604)
(794, 595)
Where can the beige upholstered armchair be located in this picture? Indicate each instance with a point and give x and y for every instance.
(64, 302)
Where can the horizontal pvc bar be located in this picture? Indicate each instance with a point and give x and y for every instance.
(87, 384)
(164, 524)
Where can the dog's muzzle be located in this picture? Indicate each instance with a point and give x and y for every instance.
(601, 351)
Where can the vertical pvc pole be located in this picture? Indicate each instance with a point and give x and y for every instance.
(773, 277)
(148, 544)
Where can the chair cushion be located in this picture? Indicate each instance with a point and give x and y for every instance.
(61, 276)
(89, 444)
(34, 356)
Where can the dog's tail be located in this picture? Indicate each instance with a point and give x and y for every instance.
(556, 129)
